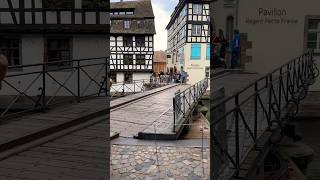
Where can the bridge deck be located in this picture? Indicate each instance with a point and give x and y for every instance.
(80, 155)
(16, 131)
(142, 115)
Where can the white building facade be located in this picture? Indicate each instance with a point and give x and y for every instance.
(273, 32)
(189, 39)
(37, 32)
(131, 41)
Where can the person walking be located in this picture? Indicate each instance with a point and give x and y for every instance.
(235, 49)
(222, 51)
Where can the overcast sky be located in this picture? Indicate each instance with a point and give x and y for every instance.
(162, 10)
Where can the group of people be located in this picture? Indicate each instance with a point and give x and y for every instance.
(175, 77)
(226, 53)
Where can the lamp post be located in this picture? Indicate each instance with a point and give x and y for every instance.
(3, 66)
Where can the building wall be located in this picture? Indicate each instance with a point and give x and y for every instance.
(196, 68)
(180, 48)
(32, 52)
(274, 42)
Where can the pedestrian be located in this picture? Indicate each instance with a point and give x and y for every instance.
(223, 44)
(3, 66)
(235, 49)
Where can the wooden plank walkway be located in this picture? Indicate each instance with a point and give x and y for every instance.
(81, 155)
(139, 116)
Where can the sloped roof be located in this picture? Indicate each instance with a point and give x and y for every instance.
(143, 13)
(142, 8)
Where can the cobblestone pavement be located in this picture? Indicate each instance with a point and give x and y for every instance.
(143, 162)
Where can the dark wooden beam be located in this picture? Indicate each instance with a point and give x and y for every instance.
(13, 15)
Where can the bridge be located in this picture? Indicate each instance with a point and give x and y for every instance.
(52, 120)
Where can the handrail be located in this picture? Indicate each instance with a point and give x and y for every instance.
(40, 85)
(137, 86)
(261, 105)
(185, 101)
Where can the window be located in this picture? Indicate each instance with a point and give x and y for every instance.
(58, 4)
(140, 41)
(208, 52)
(197, 9)
(127, 24)
(11, 49)
(140, 59)
(313, 24)
(312, 40)
(113, 77)
(128, 77)
(127, 41)
(95, 4)
(127, 59)
(140, 24)
(58, 49)
(195, 51)
(196, 30)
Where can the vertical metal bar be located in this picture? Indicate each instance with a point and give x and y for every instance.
(287, 84)
(44, 65)
(22, 9)
(78, 74)
(184, 103)
(237, 143)
(270, 98)
(280, 91)
(107, 87)
(134, 86)
(256, 111)
(174, 114)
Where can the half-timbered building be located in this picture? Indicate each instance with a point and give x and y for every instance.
(188, 45)
(33, 32)
(131, 40)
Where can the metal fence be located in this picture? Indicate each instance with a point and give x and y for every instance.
(39, 86)
(185, 101)
(121, 89)
(260, 106)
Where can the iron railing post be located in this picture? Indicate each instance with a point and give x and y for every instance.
(78, 74)
(270, 98)
(44, 65)
(107, 88)
(174, 114)
(134, 86)
(237, 143)
(256, 111)
(280, 91)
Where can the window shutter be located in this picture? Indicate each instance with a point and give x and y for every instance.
(196, 51)
(208, 51)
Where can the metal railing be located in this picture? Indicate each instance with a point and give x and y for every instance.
(39, 86)
(185, 101)
(121, 89)
(261, 106)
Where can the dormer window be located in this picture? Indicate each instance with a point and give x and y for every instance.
(127, 24)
